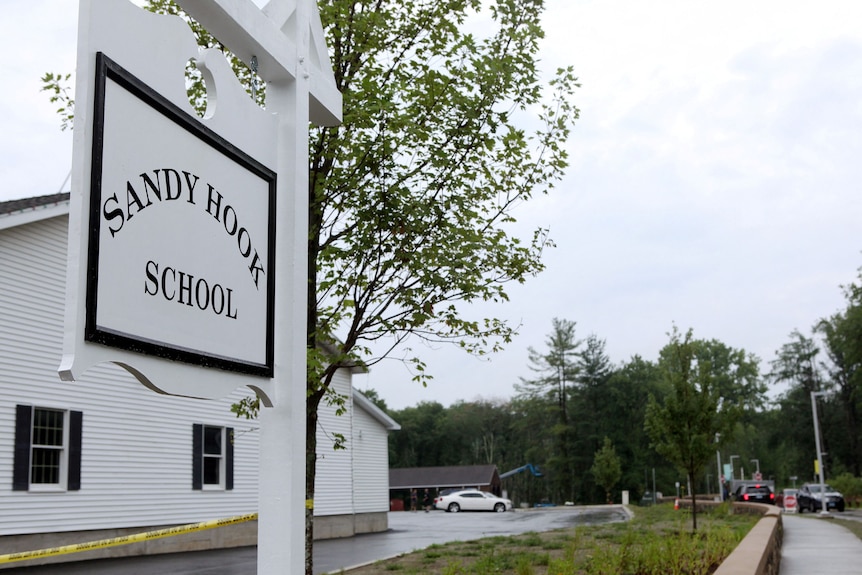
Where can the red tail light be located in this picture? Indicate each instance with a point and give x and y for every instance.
(745, 496)
(772, 496)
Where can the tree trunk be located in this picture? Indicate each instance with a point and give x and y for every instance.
(312, 403)
(315, 394)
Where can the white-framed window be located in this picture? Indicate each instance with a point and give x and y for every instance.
(47, 449)
(213, 454)
(212, 457)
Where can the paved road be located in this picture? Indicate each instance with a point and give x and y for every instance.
(411, 531)
(407, 532)
(813, 545)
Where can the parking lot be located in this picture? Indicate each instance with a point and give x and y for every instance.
(410, 531)
(407, 532)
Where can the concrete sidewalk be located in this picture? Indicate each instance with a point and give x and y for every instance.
(819, 546)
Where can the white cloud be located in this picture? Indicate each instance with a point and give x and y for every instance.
(713, 181)
(36, 36)
(714, 177)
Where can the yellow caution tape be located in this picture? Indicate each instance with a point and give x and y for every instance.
(126, 539)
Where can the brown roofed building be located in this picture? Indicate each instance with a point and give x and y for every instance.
(482, 477)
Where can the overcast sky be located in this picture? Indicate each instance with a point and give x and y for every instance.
(714, 180)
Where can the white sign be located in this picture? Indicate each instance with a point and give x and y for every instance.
(172, 218)
(181, 261)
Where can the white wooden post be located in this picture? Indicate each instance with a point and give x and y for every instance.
(287, 41)
(281, 39)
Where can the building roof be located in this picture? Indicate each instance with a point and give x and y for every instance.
(19, 212)
(387, 422)
(32, 203)
(449, 476)
(331, 349)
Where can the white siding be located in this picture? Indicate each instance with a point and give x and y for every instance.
(136, 467)
(370, 463)
(136, 444)
(333, 493)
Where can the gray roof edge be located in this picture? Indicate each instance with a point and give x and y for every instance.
(442, 476)
(438, 485)
(24, 211)
(374, 411)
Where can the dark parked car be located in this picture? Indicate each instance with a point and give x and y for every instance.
(755, 493)
(808, 498)
(648, 498)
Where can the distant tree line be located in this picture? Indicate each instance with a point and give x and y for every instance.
(579, 404)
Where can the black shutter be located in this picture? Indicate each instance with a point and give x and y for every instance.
(76, 420)
(228, 459)
(197, 456)
(23, 428)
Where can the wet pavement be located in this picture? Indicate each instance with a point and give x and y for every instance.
(407, 532)
(820, 545)
(411, 531)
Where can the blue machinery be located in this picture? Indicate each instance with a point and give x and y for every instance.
(529, 467)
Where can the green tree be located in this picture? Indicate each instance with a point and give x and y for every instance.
(849, 486)
(412, 198)
(532, 442)
(589, 403)
(796, 363)
(737, 381)
(594, 365)
(420, 442)
(842, 339)
(606, 468)
(797, 369)
(830, 363)
(557, 371)
(684, 427)
(557, 367)
(484, 427)
(735, 373)
(625, 398)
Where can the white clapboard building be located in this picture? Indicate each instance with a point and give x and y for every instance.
(104, 456)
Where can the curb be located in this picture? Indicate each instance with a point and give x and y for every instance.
(759, 552)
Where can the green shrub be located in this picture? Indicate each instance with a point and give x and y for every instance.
(849, 486)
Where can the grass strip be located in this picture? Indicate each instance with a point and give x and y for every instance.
(658, 540)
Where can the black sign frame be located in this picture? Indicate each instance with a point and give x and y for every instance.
(106, 69)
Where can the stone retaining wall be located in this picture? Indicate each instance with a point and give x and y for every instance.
(759, 552)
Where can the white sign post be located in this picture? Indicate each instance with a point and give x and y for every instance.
(187, 236)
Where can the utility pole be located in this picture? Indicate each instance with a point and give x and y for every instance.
(820, 469)
(718, 468)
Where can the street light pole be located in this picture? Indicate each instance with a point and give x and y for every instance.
(757, 463)
(718, 465)
(814, 395)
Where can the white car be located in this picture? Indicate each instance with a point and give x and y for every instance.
(472, 500)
